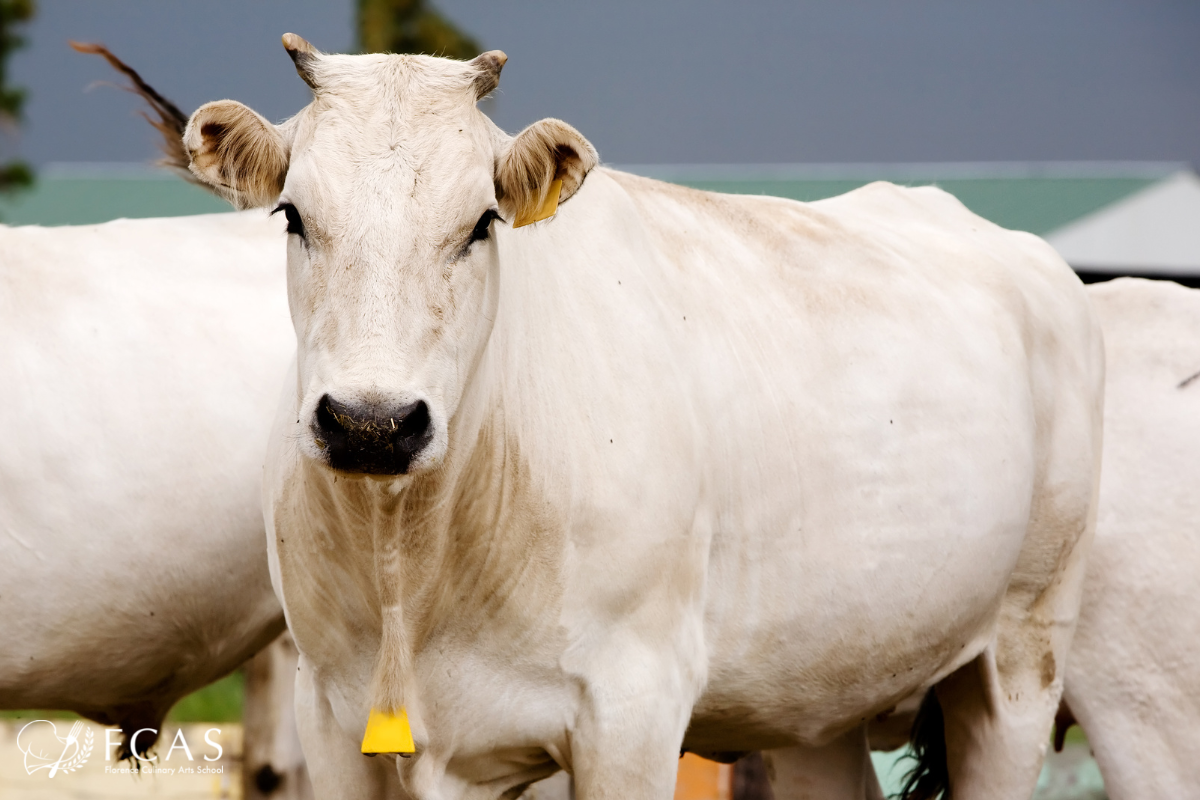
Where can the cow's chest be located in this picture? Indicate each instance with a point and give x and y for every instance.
(488, 696)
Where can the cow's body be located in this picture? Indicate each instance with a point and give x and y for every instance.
(142, 360)
(737, 466)
(668, 470)
(1133, 678)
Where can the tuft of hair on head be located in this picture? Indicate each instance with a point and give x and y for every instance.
(304, 56)
(171, 121)
(487, 72)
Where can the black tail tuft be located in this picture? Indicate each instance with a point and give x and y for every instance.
(930, 776)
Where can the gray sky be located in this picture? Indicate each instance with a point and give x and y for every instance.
(670, 81)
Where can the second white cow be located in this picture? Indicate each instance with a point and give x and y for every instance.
(142, 360)
(1133, 676)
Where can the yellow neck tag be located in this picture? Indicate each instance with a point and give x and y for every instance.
(548, 209)
(388, 733)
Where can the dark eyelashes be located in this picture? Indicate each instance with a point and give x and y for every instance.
(482, 228)
(481, 232)
(294, 223)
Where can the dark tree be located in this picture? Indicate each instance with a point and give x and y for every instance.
(13, 174)
(410, 26)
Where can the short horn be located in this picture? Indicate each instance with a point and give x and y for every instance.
(487, 71)
(304, 56)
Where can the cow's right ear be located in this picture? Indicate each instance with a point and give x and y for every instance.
(546, 152)
(236, 153)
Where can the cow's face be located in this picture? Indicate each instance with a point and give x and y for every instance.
(392, 184)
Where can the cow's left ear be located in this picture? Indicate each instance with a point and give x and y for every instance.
(236, 153)
(547, 150)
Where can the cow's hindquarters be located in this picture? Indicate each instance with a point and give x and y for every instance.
(999, 709)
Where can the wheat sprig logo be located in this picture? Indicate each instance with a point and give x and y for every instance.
(45, 750)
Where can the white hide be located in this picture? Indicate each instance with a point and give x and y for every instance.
(1133, 677)
(141, 363)
(713, 472)
(757, 503)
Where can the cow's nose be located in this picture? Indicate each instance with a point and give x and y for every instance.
(371, 438)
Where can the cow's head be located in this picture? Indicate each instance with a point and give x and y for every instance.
(391, 181)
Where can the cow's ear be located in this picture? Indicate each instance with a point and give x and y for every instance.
(547, 150)
(236, 153)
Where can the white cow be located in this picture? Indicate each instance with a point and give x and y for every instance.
(670, 469)
(142, 362)
(1133, 676)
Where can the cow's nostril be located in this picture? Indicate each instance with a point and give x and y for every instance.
(331, 432)
(414, 424)
(371, 437)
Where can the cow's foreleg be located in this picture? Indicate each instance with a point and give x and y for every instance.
(841, 770)
(336, 765)
(626, 740)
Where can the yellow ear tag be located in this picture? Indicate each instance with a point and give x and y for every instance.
(548, 209)
(388, 733)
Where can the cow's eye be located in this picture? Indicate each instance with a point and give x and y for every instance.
(295, 224)
(484, 225)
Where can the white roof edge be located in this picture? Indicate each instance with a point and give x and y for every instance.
(1154, 230)
(1148, 170)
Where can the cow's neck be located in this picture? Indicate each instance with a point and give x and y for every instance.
(454, 548)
